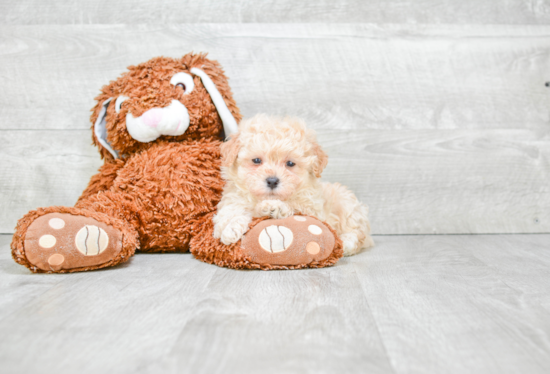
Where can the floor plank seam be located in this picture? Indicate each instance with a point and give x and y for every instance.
(373, 318)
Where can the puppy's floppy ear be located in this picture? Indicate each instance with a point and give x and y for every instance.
(321, 159)
(230, 150)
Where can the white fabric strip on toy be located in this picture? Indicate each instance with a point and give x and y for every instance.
(229, 123)
(100, 128)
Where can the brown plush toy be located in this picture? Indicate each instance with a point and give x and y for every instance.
(159, 129)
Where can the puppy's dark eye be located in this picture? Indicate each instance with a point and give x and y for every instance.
(181, 85)
(257, 161)
(290, 164)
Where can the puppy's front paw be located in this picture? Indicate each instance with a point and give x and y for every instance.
(276, 209)
(235, 230)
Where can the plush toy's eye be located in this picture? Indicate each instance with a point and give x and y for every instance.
(183, 80)
(118, 102)
(257, 161)
(290, 164)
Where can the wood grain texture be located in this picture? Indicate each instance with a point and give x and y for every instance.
(439, 129)
(299, 322)
(446, 182)
(415, 182)
(412, 304)
(274, 11)
(43, 168)
(429, 293)
(334, 76)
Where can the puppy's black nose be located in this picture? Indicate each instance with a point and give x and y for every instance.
(272, 182)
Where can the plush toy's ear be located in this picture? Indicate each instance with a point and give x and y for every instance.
(230, 150)
(100, 128)
(321, 161)
(229, 123)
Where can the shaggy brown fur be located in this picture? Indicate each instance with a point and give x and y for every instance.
(160, 195)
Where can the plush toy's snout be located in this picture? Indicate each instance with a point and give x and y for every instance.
(172, 120)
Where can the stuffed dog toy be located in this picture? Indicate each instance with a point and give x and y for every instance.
(159, 128)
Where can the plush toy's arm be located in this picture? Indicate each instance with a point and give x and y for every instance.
(103, 180)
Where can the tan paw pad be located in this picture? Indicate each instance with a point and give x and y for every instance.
(47, 241)
(56, 223)
(315, 230)
(275, 239)
(91, 240)
(313, 248)
(56, 259)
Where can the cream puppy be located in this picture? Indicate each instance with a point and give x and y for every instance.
(273, 168)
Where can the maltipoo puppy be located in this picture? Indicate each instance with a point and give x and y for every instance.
(273, 168)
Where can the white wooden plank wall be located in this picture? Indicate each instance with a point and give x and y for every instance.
(436, 119)
(29, 12)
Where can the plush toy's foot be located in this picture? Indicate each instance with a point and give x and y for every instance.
(270, 244)
(297, 241)
(62, 242)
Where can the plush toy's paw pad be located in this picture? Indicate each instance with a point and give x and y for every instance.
(59, 241)
(290, 241)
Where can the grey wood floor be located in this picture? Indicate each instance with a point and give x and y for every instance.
(412, 304)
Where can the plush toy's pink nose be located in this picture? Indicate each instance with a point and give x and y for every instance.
(152, 117)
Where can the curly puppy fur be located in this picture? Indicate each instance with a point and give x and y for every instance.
(272, 167)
